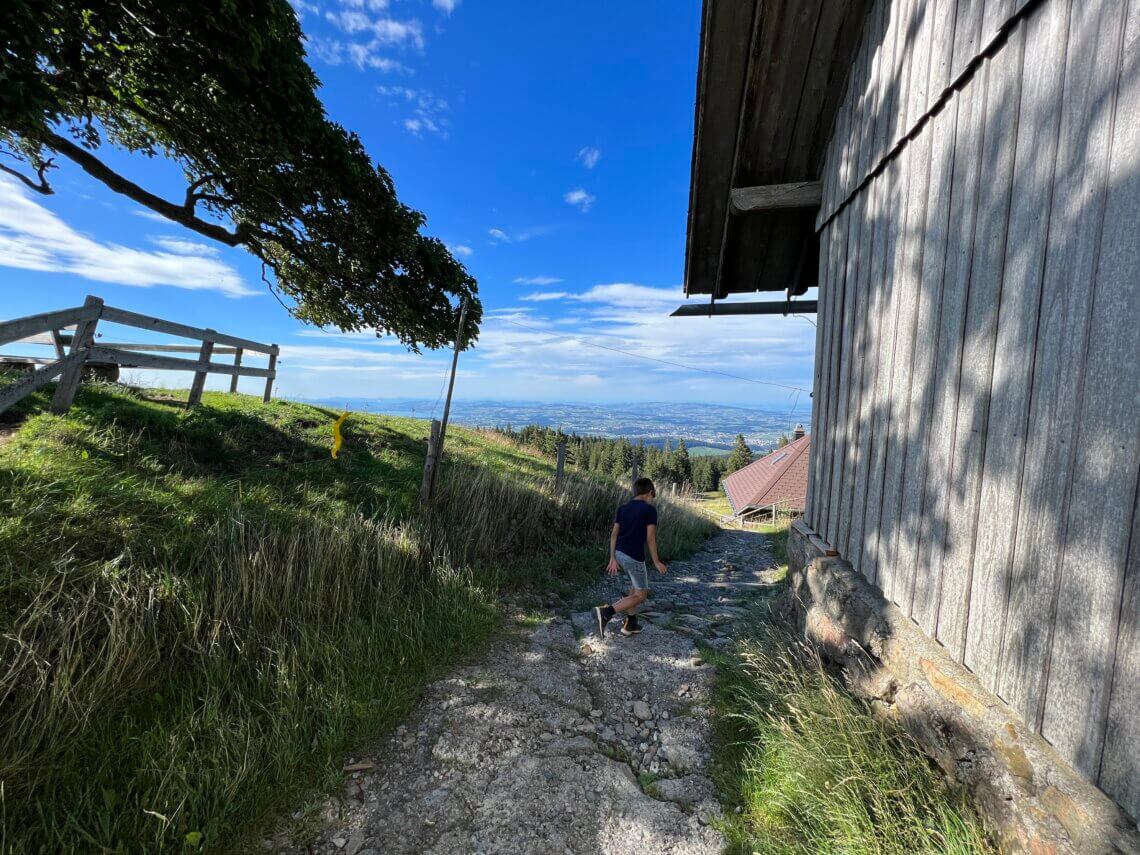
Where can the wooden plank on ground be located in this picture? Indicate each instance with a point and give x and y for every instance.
(1106, 449)
(1061, 343)
(1034, 166)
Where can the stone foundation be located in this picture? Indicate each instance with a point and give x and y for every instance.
(1029, 797)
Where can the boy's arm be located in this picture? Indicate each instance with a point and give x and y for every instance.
(651, 537)
(612, 567)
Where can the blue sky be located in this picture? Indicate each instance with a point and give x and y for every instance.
(548, 144)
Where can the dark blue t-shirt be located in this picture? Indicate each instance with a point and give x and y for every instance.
(633, 519)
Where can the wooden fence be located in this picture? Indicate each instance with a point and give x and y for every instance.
(79, 350)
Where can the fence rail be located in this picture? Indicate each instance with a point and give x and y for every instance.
(78, 350)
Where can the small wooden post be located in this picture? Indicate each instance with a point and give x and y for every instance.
(274, 350)
(200, 375)
(237, 364)
(447, 403)
(430, 462)
(560, 467)
(69, 381)
(635, 476)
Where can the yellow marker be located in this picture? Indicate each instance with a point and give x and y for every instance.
(337, 438)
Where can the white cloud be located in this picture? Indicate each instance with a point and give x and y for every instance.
(384, 30)
(363, 55)
(543, 296)
(447, 6)
(500, 236)
(461, 249)
(32, 237)
(301, 7)
(428, 111)
(537, 280)
(373, 5)
(580, 199)
(184, 247)
(148, 214)
(589, 156)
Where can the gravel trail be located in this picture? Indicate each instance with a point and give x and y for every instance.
(538, 746)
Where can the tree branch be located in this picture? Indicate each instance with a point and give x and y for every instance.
(40, 186)
(94, 167)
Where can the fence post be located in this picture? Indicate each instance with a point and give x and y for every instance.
(200, 375)
(237, 364)
(430, 462)
(636, 475)
(57, 340)
(274, 350)
(560, 467)
(69, 381)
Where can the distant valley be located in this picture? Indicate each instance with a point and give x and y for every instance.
(706, 428)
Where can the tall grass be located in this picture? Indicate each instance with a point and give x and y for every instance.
(191, 628)
(813, 771)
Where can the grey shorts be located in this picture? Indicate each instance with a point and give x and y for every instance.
(635, 569)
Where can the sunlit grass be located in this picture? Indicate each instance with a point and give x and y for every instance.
(200, 610)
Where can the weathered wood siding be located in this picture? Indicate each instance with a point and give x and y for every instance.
(977, 403)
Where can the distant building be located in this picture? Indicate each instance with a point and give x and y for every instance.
(777, 480)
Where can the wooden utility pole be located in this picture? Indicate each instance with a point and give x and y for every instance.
(429, 477)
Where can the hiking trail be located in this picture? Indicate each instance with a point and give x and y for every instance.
(538, 745)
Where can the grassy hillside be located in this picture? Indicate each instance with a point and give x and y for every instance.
(200, 609)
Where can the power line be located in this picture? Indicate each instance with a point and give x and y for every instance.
(654, 358)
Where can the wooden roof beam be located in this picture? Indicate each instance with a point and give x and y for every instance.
(769, 307)
(799, 195)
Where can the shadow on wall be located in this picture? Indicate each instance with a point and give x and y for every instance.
(977, 453)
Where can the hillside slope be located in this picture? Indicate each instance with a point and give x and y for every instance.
(200, 609)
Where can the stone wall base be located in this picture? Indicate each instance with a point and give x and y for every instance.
(1029, 797)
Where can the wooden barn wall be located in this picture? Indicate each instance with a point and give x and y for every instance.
(977, 404)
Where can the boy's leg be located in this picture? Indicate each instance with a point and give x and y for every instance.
(629, 603)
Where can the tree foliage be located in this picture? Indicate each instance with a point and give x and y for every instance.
(740, 456)
(222, 88)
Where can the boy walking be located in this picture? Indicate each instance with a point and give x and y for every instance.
(635, 525)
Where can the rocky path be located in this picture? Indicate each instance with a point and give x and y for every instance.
(556, 741)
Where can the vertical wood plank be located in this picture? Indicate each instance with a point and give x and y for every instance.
(905, 274)
(942, 47)
(1033, 171)
(1120, 761)
(68, 382)
(857, 296)
(831, 434)
(885, 258)
(971, 419)
(823, 366)
(234, 378)
(923, 583)
(870, 314)
(960, 238)
(199, 382)
(268, 394)
(923, 23)
(1106, 449)
(842, 471)
(1073, 244)
(967, 34)
(811, 501)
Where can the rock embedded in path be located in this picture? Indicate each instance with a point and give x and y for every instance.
(641, 710)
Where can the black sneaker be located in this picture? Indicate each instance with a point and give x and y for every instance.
(603, 615)
(631, 626)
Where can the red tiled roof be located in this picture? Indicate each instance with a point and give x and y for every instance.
(777, 477)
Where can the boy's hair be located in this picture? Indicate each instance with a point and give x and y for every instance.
(642, 486)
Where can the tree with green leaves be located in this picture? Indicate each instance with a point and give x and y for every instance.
(740, 456)
(222, 88)
(682, 464)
